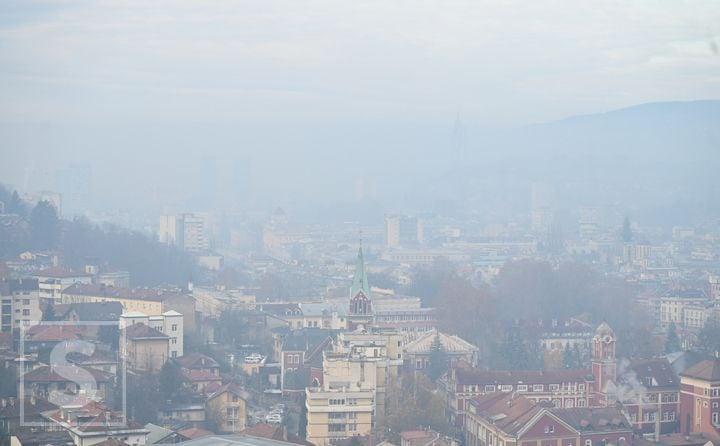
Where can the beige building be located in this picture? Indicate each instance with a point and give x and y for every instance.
(169, 323)
(149, 301)
(144, 348)
(352, 394)
(227, 408)
(19, 304)
(52, 281)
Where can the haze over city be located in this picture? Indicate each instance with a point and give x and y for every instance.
(366, 223)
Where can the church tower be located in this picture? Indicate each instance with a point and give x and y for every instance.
(604, 366)
(360, 314)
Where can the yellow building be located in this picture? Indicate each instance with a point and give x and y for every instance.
(144, 348)
(355, 378)
(227, 408)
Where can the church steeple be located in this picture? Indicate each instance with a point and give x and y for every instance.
(360, 280)
(361, 312)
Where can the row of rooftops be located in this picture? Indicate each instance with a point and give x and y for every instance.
(513, 414)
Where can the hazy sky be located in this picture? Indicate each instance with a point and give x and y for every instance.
(78, 64)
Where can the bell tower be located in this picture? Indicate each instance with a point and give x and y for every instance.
(604, 366)
(360, 313)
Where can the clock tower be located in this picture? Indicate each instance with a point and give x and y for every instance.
(604, 366)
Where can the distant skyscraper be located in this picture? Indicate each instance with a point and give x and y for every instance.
(188, 232)
(589, 223)
(403, 231)
(541, 208)
(74, 182)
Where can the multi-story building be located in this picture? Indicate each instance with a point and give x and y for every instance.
(700, 399)
(562, 388)
(149, 301)
(511, 419)
(351, 395)
(188, 232)
(403, 231)
(19, 304)
(52, 281)
(169, 323)
(227, 408)
(604, 366)
(686, 309)
(144, 348)
(650, 394)
(418, 352)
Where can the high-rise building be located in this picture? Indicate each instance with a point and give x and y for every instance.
(541, 208)
(589, 223)
(188, 232)
(403, 231)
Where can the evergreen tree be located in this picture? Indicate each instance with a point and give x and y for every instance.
(513, 352)
(48, 313)
(170, 380)
(438, 359)
(626, 233)
(302, 420)
(672, 342)
(44, 226)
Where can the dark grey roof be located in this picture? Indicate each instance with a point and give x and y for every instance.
(585, 420)
(97, 311)
(656, 372)
(234, 440)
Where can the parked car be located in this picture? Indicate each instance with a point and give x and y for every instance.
(274, 418)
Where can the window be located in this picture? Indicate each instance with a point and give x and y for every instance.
(588, 442)
(715, 418)
(26, 313)
(550, 428)
(336, 402)
(554, 387)
(26, 301)
(705, 404)
(352, 401)
(715, 405)
(173, 327)
(556, 403)
(581, 403)
(173, 341)
(581, 387)
(716, 391)
(506, 388)
(538, 388)
(522, 388)
(489, 388)
(174, 354)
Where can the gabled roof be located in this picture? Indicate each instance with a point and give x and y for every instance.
(54, 333)
(197, 360)
(274, 432)
(199, 375)
(194, 432)
(142, 331)
(509, 411)
(708, 370)
(450, 343)
(233, 389)
(586, 420)
(47, 374)
(482, 377)
(654, 373)
(97, 311)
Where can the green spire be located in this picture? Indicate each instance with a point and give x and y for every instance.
(360, 280)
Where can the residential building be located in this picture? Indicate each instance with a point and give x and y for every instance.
(456, 349)
(510, 419)
(188, 232)
(52, 281)
(700, 399)
(562, 388)
(170, 323)
(149, 301)
(650, 394)
(144, 348)
(227, 408)
(93, 423)
(405, 231)
(19, 304)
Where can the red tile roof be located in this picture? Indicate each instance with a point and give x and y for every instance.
(482, 377)
(142, 331)
(194, 432)
(708, 370)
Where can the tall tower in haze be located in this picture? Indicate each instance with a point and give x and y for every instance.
(361, 313)
(604, 365)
